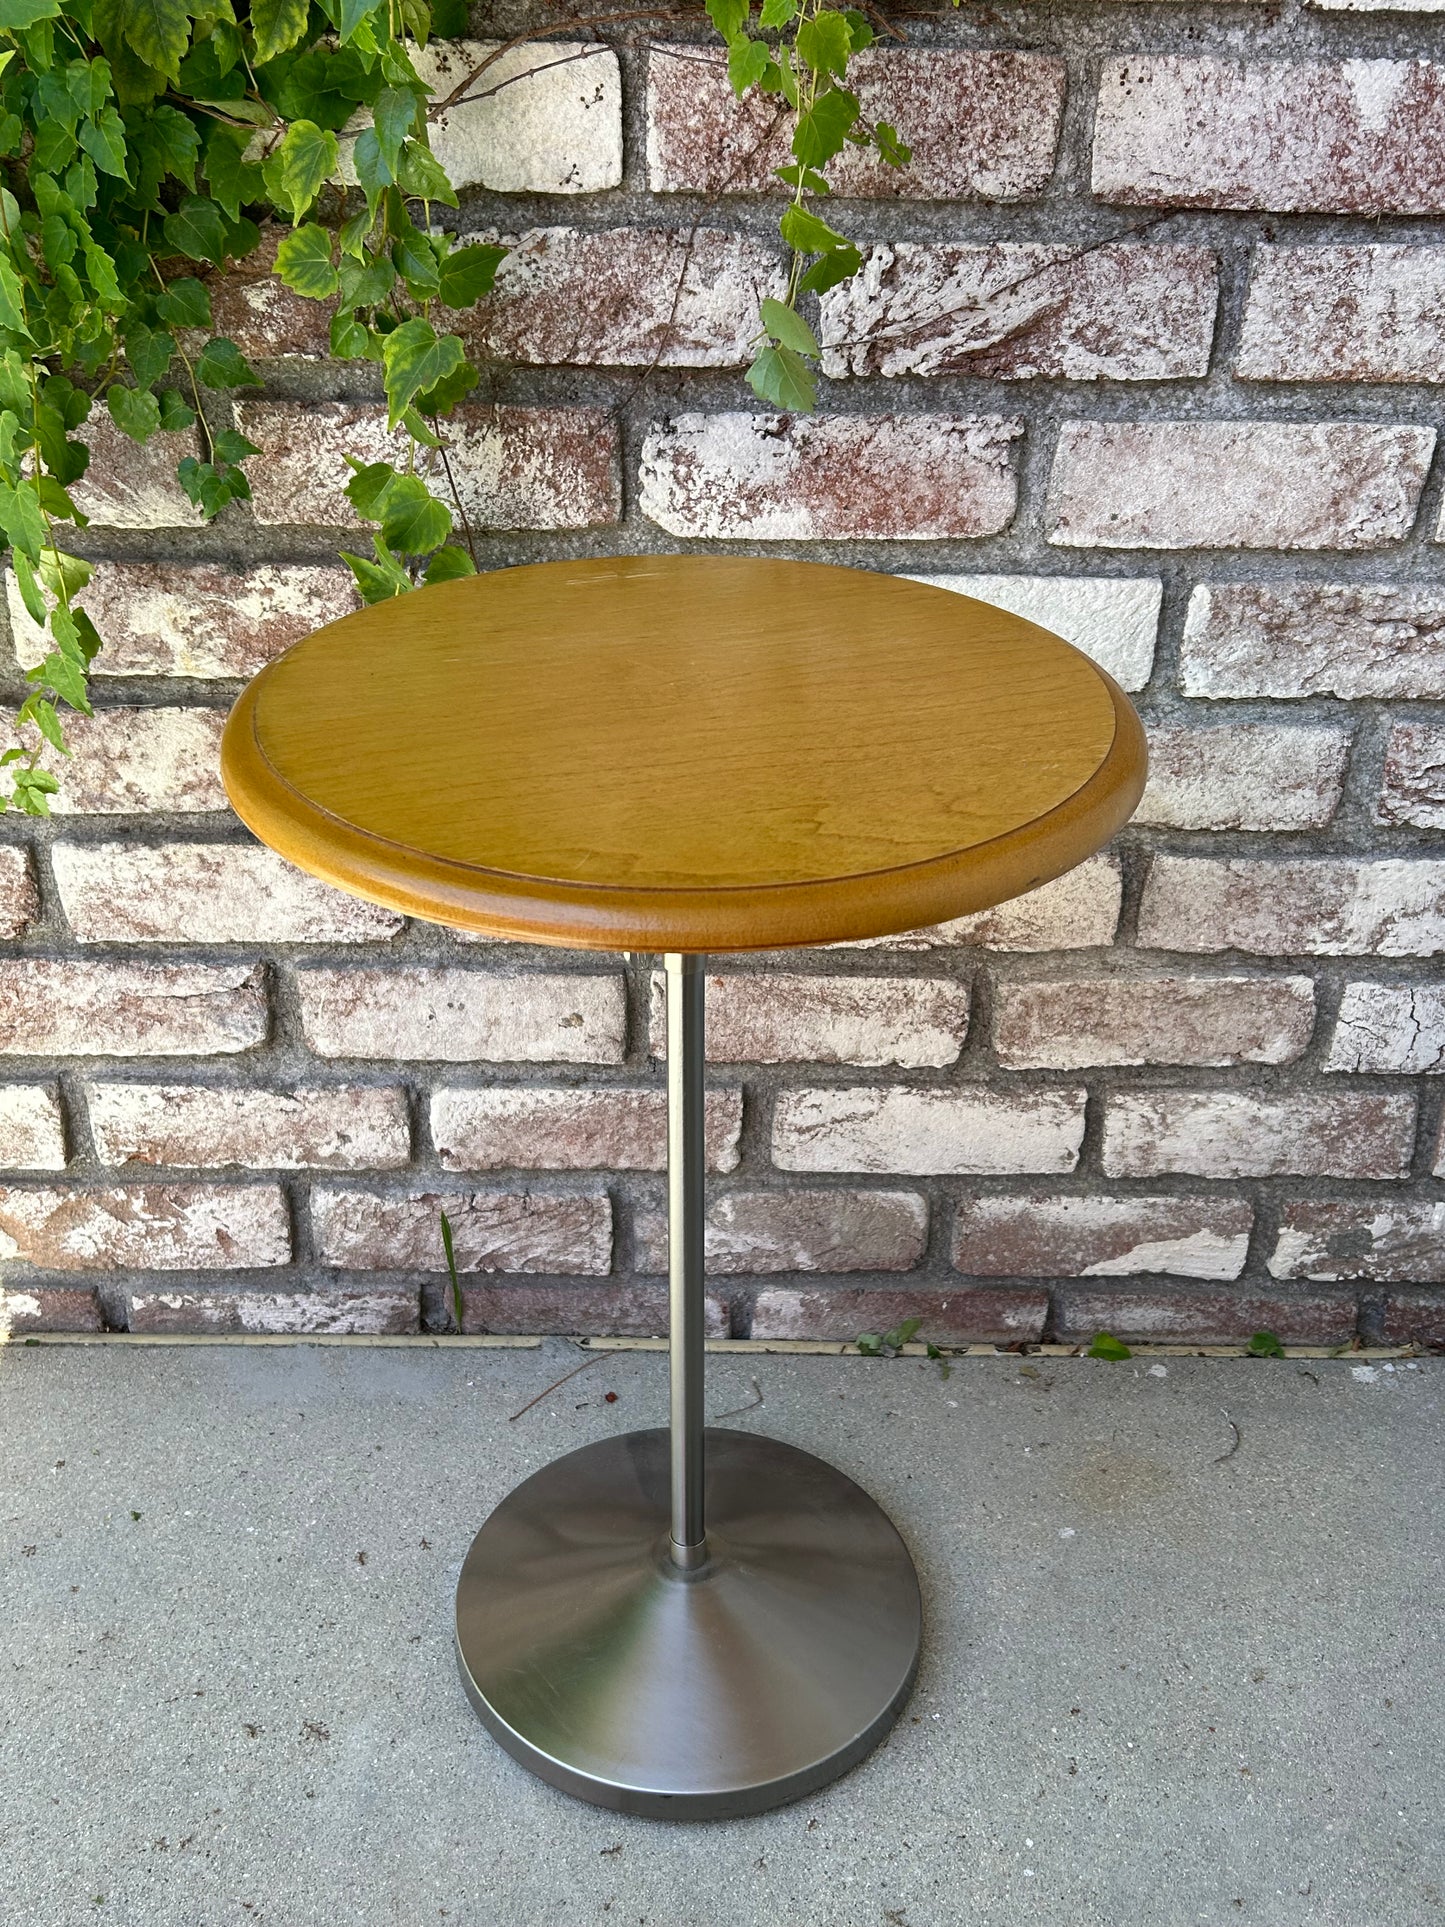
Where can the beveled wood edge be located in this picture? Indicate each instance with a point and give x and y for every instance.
(773, 916)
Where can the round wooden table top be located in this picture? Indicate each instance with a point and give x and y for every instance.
(681, 752)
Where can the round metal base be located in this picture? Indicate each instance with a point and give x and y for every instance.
(750, 1681)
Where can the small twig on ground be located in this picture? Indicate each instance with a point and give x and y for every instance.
(1238, 1440)
(751, 1406)
(547, 1390)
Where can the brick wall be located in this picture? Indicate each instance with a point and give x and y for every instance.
(1149, 346)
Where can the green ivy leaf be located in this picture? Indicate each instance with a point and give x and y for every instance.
(369, 482)
(781, 376)
(350, 339)
(135, 411)
(862, 33)
(295, 173)
(413, 521)
(176, 413)
(199, 230)
(825, 42)
(277, 26)
(748, 61)
(823, 129)
(17, 15)
(380, 580)
(232, 446)
(351, 15)
(445, 395)
(29, 584)
(185, 304)
(222, 365)
(393, 115)
(104, 140)
(365, 283)
(468, 273)
(890, 148)
(839, 264)
(777, 13)
(159, 31)
(787, 327)
(414, 357)
(1265, 1345)
(303, 261)
(422, 177)
(12, 299)
(730, 17)
(450, 565)
(415, 261)
(807, 233)
(21, 519)
(66, 677)
(232, 179)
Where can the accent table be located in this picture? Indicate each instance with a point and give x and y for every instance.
(683, 755)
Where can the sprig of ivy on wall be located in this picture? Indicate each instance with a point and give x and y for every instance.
(141, 142)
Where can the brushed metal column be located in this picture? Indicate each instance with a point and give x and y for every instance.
(686, 1207)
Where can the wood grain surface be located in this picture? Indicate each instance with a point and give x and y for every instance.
(684, 753)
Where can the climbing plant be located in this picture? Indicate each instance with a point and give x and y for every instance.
(141, 144)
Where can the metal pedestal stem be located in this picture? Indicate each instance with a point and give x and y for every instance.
(690, 1624)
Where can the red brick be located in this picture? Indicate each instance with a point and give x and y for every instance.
(465, 1016)
(205, 893)
(1070, 1023)
(1390, 1028)
(1250, 1134)
(48, 1308)
(1360, 313)
(385, 1310)
(756, 1232)
(516, 468)
(1248, 776)
(203, 1127)
(956, 1131)
(1314, 639)
(19, 903)
(1348, 137)
(1236, 484)
(1013, 312)
(51, 1008)
(256, 310)
(520, 1231)
(783, 1018)
(1414, 1318)
(1400, 1241)
(1413, 789)
(959, 1317)
(196, 619)
(146, 1227)
(623, 1310)
(572, 1130)
(1047, 1236)
(1077, 911)
(982, 126)
(141, 761)
(779, 478)
(32, 1131)
(128, 486)
(1321, 906)
(1204, 1318)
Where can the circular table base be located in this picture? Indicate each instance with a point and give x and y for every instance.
(751, 1681)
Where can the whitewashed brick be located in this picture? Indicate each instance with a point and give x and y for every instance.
(1369, 312)
(1015, 312)
(203, 1127)
(1077, 911)
(56, 1008)
(1248, 776)
(779, 478)
(1070, 1023)
(946, 1131)
(780, 1018)
(1380, 6)
(1413, 787)
(543, 118)
(138, 761)
(514, 468)
(1249, 1134)
(1236, 484)
(128, 486)
(1311, 906)
(1314, 639)
(762, 1232)
(1044, 1236)
(32, 1132)
(1400, 1242)
(49, 1308)
(966, 1315)
(570, 1130)
(464, 1016)
(382, 1311)
(205, 893)
(1346, 136)
(524, 1231)
(19, 902)
(1113, 619)
(194, 619)
(1387, 1028)
(147, 1227)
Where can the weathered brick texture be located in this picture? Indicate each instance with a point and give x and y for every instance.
(1147, 347)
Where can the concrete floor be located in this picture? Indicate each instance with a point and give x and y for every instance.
(1164, 1683)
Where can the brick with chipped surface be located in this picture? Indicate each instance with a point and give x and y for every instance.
(205, 893)
(19, 900)
(1362, 312)
(142, 761)
(146, 1227)
(962, 1316)
(1412, 790)
(1236, 484)
(981, 125)
(1113, 619)
(959, 1131)
(800, 1229)
(195, 619)
(1335, 906)
(1295, 136)
(518, 1231)
(464, 1016)
(1244, 776)
(572, 1130)
(1239, 1134)
(1014, 312)
(1296, 639)
(32, 1130)
(1039, 1235)
(779, 478)
(1399, 1241)
(48, 1308)
(515, 468)
(381, 1311)
(1077, 911)
(130, 486)
(1071, 1023)
(1204, 1317)
(781, 1018)
(619, 1308)
(205, 1127)
(53, 1007)
(1390, 1029)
